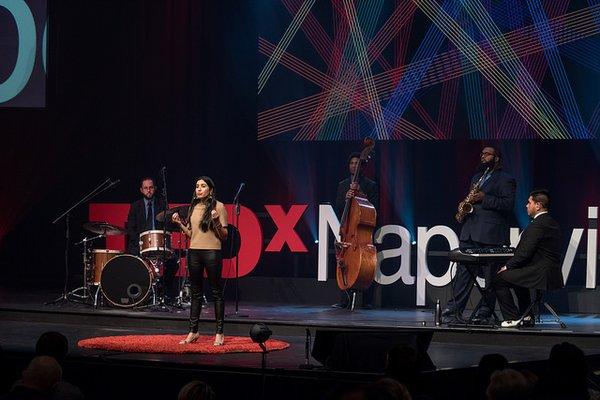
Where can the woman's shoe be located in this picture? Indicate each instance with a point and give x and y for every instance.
(219, 339)
(191, 338)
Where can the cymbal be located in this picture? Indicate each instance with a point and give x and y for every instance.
(103, 228)
(181, 210)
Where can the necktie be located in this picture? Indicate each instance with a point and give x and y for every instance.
(485, 179)
(150, 216)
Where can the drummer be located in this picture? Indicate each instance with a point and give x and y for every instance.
(141, 218)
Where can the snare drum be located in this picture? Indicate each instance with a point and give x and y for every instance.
(126, 280)
(154, 243)
(99, 258)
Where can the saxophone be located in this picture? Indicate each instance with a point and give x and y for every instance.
(466, 206)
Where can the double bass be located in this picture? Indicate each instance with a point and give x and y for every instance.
(355, 254)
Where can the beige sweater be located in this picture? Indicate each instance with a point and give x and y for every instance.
(204, 240)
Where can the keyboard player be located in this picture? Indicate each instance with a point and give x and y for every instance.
(535, 265)
(486, 226)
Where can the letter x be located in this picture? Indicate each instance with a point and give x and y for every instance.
(285, 228)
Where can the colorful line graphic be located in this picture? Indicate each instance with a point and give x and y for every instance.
(425, 69)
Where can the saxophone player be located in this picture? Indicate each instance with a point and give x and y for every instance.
(485, 223)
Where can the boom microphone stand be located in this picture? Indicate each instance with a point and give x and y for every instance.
(163, 172)
(236, 218)
(105, 185)
(162, 305)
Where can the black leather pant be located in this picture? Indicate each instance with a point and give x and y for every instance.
(198, 261)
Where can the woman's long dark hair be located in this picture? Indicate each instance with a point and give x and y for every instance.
(210, 202)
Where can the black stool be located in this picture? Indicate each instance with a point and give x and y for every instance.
(538, 302)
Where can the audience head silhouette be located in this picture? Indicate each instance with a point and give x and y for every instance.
(196, 390)
(53, 344)
(386, 389)
(42, 374)
(508, 384)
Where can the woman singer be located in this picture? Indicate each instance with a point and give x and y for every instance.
(206, 227)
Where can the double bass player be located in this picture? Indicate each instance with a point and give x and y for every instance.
(356, 199)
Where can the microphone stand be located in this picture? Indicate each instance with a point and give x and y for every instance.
(236, 218)
(105, 185)
(163, 174)
(162, 305)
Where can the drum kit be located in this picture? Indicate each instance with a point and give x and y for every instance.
(125, 280)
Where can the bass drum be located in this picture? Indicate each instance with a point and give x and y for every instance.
(126, 281)
(99, 258)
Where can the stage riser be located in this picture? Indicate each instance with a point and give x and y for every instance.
(126, 319)
(241, 326)
(571, 299)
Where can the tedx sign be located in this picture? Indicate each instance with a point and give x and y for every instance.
(251, 233)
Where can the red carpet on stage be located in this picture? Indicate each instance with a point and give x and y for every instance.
(170, 344)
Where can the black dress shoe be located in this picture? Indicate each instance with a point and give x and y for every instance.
(482, 320)
(448, 312)
(367, 306)
(451, 320)
(528, 322)
(340, 305)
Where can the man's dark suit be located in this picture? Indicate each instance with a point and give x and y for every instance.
(535, 265)
(367, 187)
(138, 223)
(487, 226)
(371, 192)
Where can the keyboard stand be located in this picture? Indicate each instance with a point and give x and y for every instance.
(482, 291)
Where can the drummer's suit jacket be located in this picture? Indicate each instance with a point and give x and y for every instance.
(136, 222)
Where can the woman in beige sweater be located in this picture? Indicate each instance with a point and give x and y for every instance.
(206, 227)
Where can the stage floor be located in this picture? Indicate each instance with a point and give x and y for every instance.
(24, 317)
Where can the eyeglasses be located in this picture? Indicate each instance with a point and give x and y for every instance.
(486, 153)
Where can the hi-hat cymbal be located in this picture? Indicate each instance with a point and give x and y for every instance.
(181, 210)
(103, 228)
